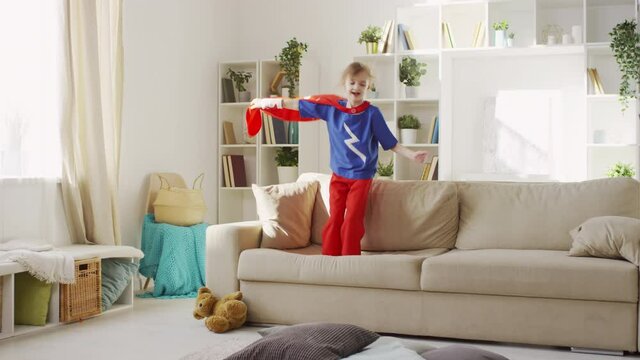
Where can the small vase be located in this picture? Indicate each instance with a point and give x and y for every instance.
(244, 96)
(411, 92)
(372, 94)
(509, 42)
(408, 136)
(576, 34)
(500, 38)
(285, 92)
(372, 48)
(287, 174)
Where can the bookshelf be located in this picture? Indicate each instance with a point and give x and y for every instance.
(470, 84)
(237, 203)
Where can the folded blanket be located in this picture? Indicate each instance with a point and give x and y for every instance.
(49, 266)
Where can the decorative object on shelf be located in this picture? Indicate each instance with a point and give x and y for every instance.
(595, 81)
(385, 171)
(500, 37)
(447, 33)
(371, 36)
(478, 35)
(275, 83)
(551, 40)
(551, 33)
(576, 34)
(625, 44)
(410, 72)
(621, 170)
(287, 163)
(373, 92)
(290, 60)
(599, 136)
(566, 39)
(510, 39)
(240, 78)
(409, 125)
(286, 91)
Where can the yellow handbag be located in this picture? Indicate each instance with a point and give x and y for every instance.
(179, 206)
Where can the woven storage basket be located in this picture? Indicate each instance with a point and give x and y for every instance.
(83, 298)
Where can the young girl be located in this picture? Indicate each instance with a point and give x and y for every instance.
(355, 130)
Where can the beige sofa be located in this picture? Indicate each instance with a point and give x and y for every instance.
(502, 274)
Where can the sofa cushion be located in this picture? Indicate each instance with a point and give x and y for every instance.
(321, 204)
(613, 237)
(509, 215)
(308, 266)
(411, 215)
(531, 273)
(285, 211)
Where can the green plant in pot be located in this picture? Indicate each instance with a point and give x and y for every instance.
(240, 78)
(500, 28)
(625, 44)
(409, 125)
(290, 60)
(385, 171)
(621, 170)
(371, 36)
(410, 72)
(287, 164)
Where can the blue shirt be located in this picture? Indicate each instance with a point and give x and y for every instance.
(354, 138)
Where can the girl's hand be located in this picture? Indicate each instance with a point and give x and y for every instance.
(420, 156)
(265, 103)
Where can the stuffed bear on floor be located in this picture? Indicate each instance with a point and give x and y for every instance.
(220, 315)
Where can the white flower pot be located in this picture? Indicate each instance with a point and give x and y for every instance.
(411, 92)
(383, 177)
(245, 96)
(372, 94)
(509, 42)
(408, 136)
(500, 39)
(285, 92)
(287, 174)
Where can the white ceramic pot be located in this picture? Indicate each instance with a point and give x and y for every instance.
(408, 136)
(500, 39)
(411, 92)
(287, 174)
(244, 96)
(509, 42)
(383, 177)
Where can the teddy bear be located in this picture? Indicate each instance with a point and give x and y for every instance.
(220, 315)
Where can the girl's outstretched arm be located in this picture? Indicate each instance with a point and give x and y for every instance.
(418, 156)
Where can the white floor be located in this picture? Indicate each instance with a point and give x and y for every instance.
(165, 329)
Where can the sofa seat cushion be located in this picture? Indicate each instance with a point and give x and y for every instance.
(531, 273)
(399, 271)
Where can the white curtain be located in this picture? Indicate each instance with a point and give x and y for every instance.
(91, 124)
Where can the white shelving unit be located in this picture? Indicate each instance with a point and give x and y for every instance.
(238, 203)
(79, 252)
(485, 92)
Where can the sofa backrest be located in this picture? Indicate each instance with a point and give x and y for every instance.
(538, 215)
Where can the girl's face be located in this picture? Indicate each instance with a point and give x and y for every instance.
(355, 87)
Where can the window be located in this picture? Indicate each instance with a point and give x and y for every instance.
(31, 80)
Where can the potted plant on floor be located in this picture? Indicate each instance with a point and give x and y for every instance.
(385, 171)
(287, 163)
(371, 36)
(500, 36)
(409, 125)
(290, 60)
(621, 170)
(625, 44)
(410, 72)
(240, 78)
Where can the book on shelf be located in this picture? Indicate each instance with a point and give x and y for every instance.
(229, 135)
(432, 126)
(433, 169)
(294, 131)
(267, 129)
(409, 36)
(435, 137)
(225, 171)
(279, 131)
(478, 35)
(448, 35)
(402, 39)
(385, 36)
(425, 171)
(231, 176)
(238, 173)
(228, 94)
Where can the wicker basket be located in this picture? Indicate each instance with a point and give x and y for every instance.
(83, 298)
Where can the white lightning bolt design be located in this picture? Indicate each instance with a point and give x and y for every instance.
(354, 139)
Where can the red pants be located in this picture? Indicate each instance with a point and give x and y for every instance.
(343, 232)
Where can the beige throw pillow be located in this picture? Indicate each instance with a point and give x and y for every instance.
(285, 212)
(614, 237)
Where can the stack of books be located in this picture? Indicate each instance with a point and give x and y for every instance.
(233, 171)
(276, 131)
(430, 170)
(434, 130)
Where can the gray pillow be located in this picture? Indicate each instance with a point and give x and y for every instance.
(312, 341)
(116, 275)
(461, 352)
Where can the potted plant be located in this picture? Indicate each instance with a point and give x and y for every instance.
(240, 78)
(371, 37)
(410, 72)
(500, 28)
(510, 39)
(620, 170)
(290, 59)
(385, 171)
(409, 125)
(625, 44)
(287, 163)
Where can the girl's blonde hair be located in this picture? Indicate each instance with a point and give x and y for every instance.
(354, 69)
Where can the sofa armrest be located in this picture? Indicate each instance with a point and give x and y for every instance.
(225, 242)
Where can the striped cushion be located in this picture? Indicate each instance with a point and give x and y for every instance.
(313, 341)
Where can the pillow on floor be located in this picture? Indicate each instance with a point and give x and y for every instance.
(614, 237)
(461, 352)
(309, 342)
(116, 275)
(31, 300)
(285, 212)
